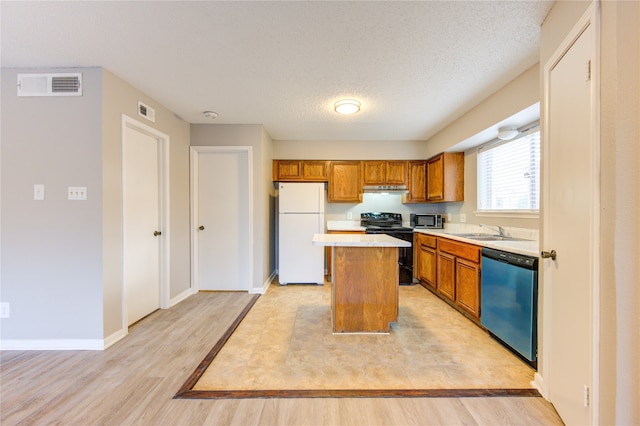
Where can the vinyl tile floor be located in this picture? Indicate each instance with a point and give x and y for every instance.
(286, 342)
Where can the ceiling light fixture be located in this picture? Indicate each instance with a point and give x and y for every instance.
(347, 106)
(507, 133)
(210, 115)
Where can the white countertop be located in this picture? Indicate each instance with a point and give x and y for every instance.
(358, 240)
(528, 248)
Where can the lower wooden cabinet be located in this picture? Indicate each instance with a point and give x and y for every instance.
(468, 286)
(451, 269)
(446, 275)
(428, 259)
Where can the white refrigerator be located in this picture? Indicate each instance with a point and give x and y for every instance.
(300, 215)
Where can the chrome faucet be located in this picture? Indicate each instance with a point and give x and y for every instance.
(500, 229)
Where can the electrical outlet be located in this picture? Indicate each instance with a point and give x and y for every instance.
(349, 215)
(448, 217)
(4, 310)
(463, 218)
(77, 193)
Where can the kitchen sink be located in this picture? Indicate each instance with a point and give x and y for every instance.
(487, 237)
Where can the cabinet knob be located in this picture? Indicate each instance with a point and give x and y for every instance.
(549, 254)
(156, 233)
(201, 228)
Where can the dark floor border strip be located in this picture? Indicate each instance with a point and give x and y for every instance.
(358, 393)
(187, 392)
(204, 364)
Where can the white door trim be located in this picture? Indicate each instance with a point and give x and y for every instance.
(591, 17)
(164, 210)
(194, 152)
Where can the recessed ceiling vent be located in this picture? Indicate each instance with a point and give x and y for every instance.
(146, 112)
(50, 84)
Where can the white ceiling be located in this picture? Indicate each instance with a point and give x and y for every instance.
(415, 66)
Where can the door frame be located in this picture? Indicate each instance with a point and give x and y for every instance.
(163, 208)
(591, 17)
(194, 153)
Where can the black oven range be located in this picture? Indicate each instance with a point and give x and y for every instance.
(391, 224)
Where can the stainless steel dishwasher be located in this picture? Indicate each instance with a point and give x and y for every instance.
(509, 300)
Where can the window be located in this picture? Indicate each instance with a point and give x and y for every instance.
(509, 175)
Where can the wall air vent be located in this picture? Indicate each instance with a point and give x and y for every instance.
(50, 84)
(146, 112)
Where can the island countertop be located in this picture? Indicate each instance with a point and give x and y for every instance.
(358, 240)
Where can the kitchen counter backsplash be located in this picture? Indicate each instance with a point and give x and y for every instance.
(344, 225)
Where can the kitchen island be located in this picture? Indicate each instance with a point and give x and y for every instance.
(364, 296)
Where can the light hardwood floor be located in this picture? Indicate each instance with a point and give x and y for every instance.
(133, 382)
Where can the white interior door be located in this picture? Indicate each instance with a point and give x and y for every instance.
(569, 215)
(141, 219)
(223, 228)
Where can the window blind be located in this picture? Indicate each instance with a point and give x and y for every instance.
(509, 174)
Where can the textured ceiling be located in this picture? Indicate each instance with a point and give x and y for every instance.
(415, 66)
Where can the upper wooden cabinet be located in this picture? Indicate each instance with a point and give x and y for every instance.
(345, 181)
(393, 172)
(445, 177)
(416, 182)
(300, 170)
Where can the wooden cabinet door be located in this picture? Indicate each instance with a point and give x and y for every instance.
(445, 177)
(396, 172)
(447, 275)
(435, 178)
(468, 286)
(314, 171)
(427, 268)
(417, 182)
(374, 172)
(345, 181)
(287, 170)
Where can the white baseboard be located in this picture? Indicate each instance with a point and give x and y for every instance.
(265, 285)
(538, 383)
(179, 298)
(52, 345)
(115, 337)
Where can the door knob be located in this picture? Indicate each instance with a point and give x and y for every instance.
(156, 233)
(201, 228)
(549, 254)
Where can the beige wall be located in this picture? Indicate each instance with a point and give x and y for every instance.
(348, 150)
(619, 315)
(119, 97)
(263, 214)
(620, 203)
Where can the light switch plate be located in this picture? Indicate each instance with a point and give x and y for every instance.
(38, 192)
(77, 193)
(4, 310)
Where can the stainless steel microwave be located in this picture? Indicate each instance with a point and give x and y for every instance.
(426, 220)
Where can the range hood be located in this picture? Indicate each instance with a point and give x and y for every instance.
(385, 189)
